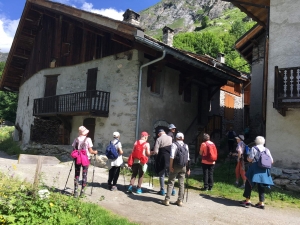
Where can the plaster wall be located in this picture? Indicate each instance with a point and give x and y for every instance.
(282, 133)
(167, 106)
(116, 74)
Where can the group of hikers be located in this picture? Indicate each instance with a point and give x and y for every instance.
(171, 155)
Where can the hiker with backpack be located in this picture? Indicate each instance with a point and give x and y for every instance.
(138, 161)
(240, 166)
(83, 145)
(209, 153)
(258, 173)
(179, 166)
(231, 139)
(116, 159)
(162, 149)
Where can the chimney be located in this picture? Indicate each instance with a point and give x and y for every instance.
(221, 57)
(131, 17)
(168, 35)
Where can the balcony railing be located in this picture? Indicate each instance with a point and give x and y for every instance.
(95, 103)
(286, 89)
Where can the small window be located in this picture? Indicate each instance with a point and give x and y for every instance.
(154, 80)
(28, 101)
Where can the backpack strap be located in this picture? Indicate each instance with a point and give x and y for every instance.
(82, 143)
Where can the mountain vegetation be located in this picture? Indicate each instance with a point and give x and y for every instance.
(8, 102)
(200, 26)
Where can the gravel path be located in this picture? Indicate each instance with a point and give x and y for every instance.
(147, 208)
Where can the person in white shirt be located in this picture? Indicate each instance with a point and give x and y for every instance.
(82, 142)
(115, 164)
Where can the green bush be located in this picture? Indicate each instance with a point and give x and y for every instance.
(20, 205)
(7, 144)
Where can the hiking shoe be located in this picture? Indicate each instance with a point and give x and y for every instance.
(210, 188)
(139, 191)
(166, 202)
(242, 186)
(161, 192)
(179, 203)
(114, 188)
(109, 187)
(173, 192)
(245, 204)
(236, 184)
(260, 206)
(75, 194)
(129, 189)
(203, 189)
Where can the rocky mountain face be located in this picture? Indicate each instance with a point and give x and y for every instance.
(3, 57)
(180, 15)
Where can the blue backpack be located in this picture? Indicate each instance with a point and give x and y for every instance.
(111, 151)
(246, 153)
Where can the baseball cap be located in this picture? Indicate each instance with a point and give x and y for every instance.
(144, 134)
(179, 135)
(161, 130)
(116, 134)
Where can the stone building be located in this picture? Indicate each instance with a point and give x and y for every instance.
(272, 48)
(73, 68)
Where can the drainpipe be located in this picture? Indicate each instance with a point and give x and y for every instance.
(243, 89)
(140, 81)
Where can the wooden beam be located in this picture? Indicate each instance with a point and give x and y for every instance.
(57, 45)
(243, 9)
(123, 41)
(83, 46)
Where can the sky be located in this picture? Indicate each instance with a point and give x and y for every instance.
(11, 11)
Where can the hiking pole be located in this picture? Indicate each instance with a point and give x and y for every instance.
(187, 188)
(68, 175)
(93, 174)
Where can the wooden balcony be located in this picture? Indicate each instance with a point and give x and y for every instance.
(94, 103)
(286, 89)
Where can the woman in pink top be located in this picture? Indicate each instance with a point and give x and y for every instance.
(82, 142)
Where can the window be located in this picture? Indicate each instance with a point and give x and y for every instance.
(154, 80)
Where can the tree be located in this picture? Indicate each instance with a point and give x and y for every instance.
(8, 102)
(204, 22)
(238, 29)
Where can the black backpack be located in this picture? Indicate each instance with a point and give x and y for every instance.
(181, 155)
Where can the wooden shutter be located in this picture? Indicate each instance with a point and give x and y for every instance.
(51, 83)
(91, 83)
(229, 107)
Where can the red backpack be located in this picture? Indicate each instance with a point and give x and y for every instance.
(137, 153)
(212, 152)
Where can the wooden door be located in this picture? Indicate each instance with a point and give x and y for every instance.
(90, 123)
(50, 88)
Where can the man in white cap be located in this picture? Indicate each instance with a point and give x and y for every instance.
(172, 130)
(115, 164)
(179, 166)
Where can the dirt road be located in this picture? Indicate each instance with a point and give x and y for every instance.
(147, 208)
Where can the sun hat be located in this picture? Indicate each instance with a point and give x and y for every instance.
(179, 135)
(241, 137)
(116, 134)
(172, 126)
(144, 134)
(83, 131)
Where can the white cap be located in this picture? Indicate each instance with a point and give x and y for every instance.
(116, 134)
(179, 135)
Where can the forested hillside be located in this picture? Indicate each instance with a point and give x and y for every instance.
(200, 26)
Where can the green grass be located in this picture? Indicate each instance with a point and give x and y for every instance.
(7, 144)
(19, 204)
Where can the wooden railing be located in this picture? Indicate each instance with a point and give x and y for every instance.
(286, 89)
(94, 103)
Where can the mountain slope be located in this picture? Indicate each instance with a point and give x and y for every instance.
(180, 15)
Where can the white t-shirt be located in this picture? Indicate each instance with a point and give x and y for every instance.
(88, 144)
(118, 161)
